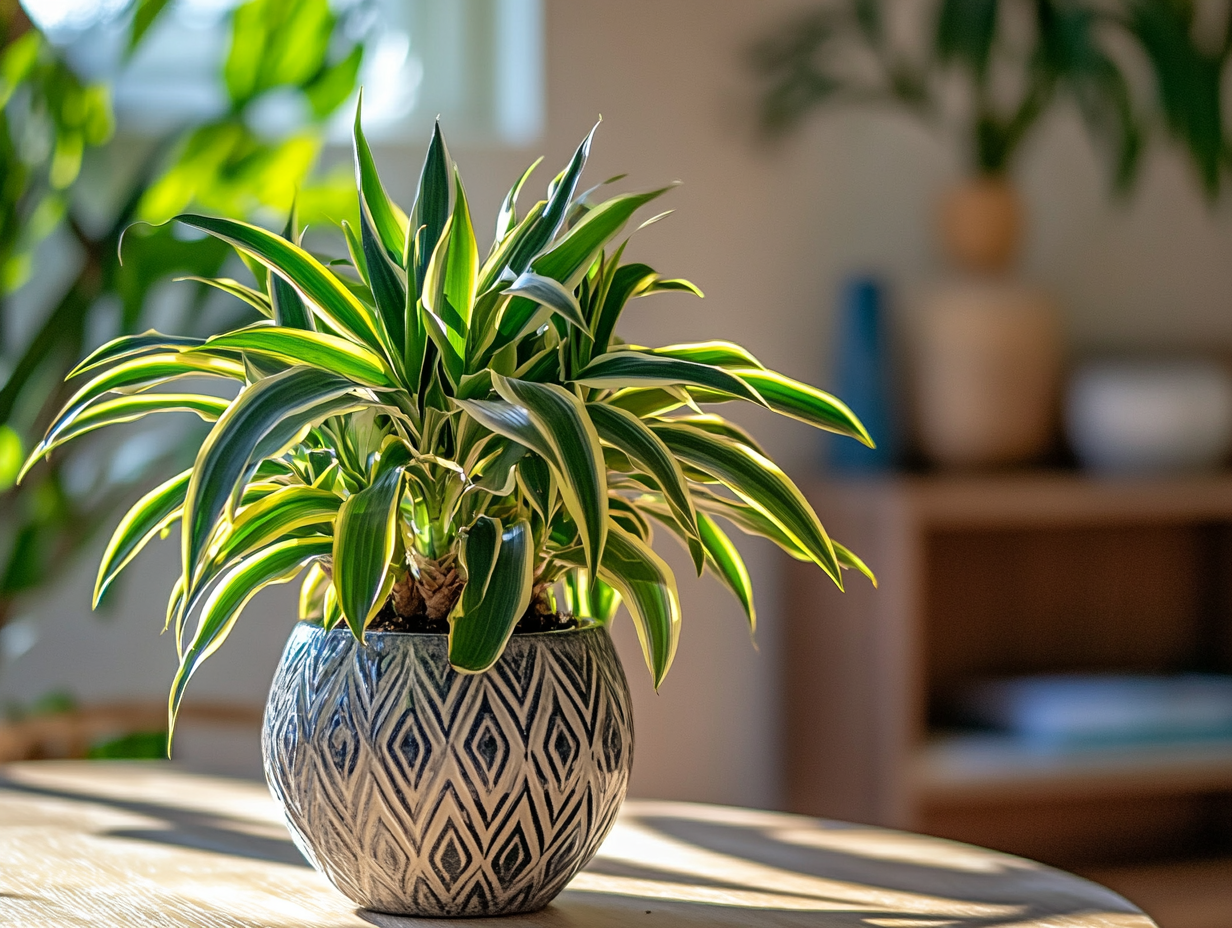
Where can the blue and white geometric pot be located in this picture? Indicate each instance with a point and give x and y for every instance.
(421, 791)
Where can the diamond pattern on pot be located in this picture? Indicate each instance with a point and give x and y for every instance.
(421, 791)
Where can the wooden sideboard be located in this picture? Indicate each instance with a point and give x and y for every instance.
(1009, 574)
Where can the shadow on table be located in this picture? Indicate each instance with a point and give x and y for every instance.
(188, 828)
(722, 866)
(789, 870)
(706, 865)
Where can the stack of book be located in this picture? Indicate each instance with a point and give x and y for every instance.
(1078, 710)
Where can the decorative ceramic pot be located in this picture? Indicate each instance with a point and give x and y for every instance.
(418, 790)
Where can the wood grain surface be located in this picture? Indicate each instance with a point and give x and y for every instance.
(143, 844)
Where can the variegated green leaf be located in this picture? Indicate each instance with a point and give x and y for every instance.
(477, 553)
(547, 292)
(328, 295)
(728, 566)
(538, 484)
(447, 342)
(495, 474)
(355, 249)
(276, 564)
(628, 281)
(293, 429)
(589, 598)
(849, 560)
(569, 258)
(312, 593)
(647, 402)
(364, 538)
(271, 410)
(461, 261)
(580, 486)
(717, 425)
(721, 556)
(681, 286)
(146, 519)
(628, 433)
(626, 368)
(634, 521)
(716, 353)
(507, 218)
(275, 515)
(387, 281)
(478, 633)
(130, 346)
(749, 520)
(288, 306)
(758, 481)
(125, 409)
(808, 404)
(432, 207)
(316, 349)
(142, 373)
(510, 420)
(546, 224)
(496, 267)
(561, 419)
(254, 298)
(388, 220)
(753, 522)
(648, 588)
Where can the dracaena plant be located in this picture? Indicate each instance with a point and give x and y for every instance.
(437, 436)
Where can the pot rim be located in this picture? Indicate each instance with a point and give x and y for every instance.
(559, 632)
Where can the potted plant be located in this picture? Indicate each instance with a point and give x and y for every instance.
(988, 349)
(467, 462)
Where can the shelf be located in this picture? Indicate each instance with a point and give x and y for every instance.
(998, 575)
(978, 769)
(1041, 498)
(1183, 894)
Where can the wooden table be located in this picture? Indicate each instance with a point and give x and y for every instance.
(141, 843)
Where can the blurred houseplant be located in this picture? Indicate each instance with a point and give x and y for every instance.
(54, 127)
(989, 351)
(467, 462)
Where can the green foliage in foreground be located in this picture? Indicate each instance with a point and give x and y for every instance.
(452, 436)
(62, 174)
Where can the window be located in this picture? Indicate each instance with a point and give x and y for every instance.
(476, 63)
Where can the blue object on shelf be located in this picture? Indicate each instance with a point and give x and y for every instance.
(862, 378)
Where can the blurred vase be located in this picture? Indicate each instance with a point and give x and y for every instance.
(988, 363)
(862, 378)
(981, 224)
(988, 348)
(1150, 417)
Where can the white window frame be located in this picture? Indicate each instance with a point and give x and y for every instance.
(478, 64)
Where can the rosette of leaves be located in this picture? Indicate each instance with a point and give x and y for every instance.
(440, 436)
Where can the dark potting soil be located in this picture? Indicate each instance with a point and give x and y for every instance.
(388, 620)
(535, 621)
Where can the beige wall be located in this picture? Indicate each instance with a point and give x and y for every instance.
(768, 235)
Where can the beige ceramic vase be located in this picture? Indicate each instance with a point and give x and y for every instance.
(988, 348)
